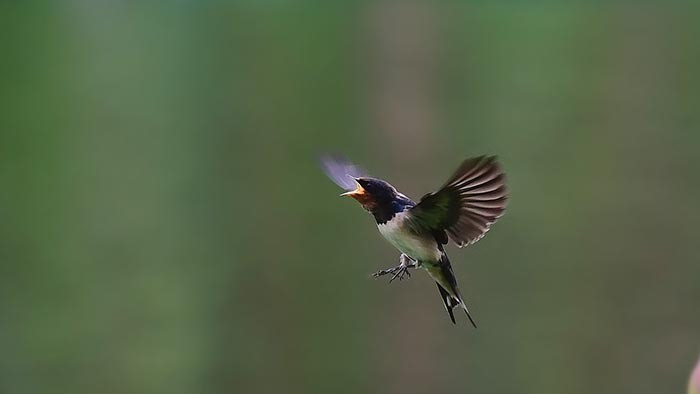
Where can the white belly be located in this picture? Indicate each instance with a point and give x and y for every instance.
(416, 247)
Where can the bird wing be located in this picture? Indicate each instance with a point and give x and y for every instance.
(467, 205)
(341, 171)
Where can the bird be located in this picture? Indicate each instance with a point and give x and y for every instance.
(462, 210)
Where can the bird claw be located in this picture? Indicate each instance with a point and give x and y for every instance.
(400, 270)
(397, 272)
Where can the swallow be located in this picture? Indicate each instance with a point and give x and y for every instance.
(462, 210)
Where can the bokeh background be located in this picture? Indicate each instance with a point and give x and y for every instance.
(165, 228)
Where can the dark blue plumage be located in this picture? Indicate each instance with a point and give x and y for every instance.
(385, 202)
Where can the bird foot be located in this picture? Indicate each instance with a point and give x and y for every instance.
(399, 271)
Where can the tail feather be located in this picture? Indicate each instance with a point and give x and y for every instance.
(466, 310)
(446, 299)
(449, 292)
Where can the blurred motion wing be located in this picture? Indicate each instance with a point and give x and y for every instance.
(467, 205)
(341, 171)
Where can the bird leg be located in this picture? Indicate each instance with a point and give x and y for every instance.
(400, 270)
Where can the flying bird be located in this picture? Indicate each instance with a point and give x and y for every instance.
(463, 210)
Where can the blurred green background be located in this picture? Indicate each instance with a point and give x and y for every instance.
(164, 226)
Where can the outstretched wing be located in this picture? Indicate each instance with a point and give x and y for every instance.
(341, 171)
(467, 205)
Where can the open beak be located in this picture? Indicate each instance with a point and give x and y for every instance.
(359, 191)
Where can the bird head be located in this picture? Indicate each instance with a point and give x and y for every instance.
(372, 192)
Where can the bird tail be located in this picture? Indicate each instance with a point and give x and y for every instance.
(447, 285)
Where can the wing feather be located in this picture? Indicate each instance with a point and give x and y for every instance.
(341, 171)
(467, 205)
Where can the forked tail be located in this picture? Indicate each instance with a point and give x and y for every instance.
(449, 292)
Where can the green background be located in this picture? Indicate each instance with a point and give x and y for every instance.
(165, 228)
